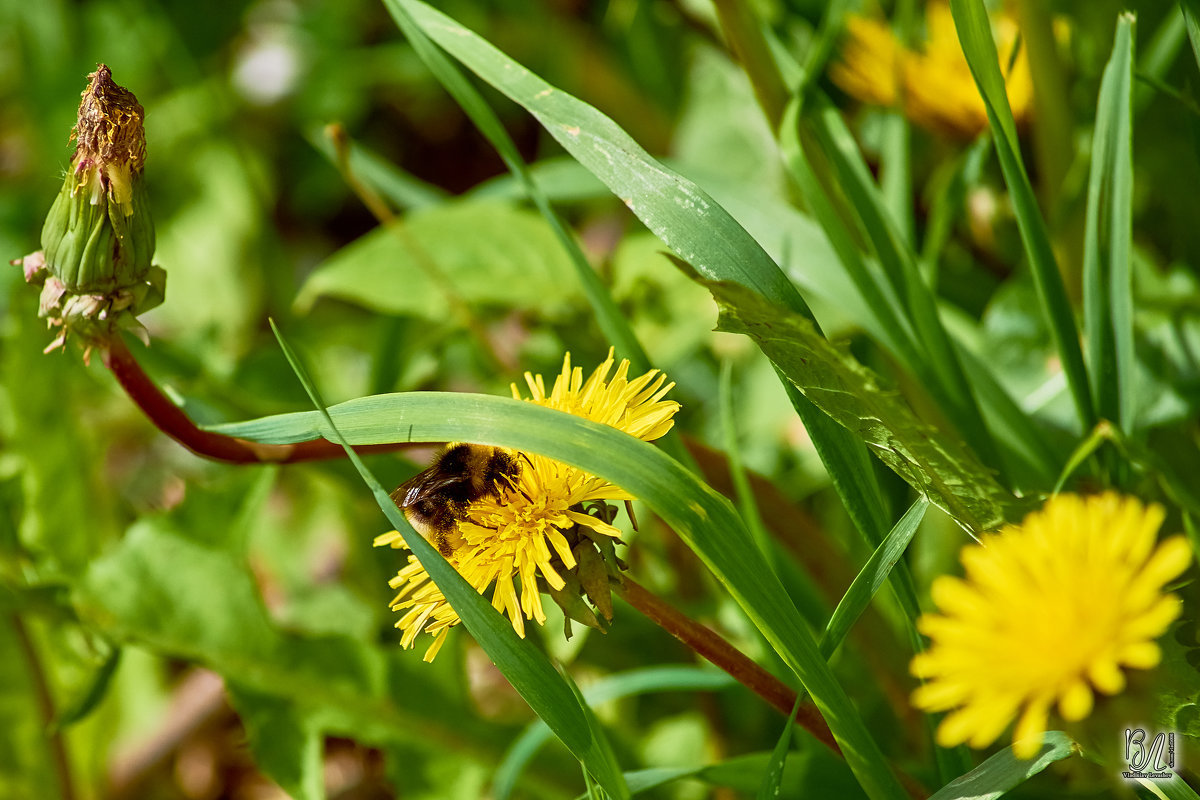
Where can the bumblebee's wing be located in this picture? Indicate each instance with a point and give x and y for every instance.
(425, 485)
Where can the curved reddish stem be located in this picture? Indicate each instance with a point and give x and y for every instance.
(171, 420)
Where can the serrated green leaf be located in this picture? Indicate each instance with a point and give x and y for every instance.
(488, 253)
(933, 464)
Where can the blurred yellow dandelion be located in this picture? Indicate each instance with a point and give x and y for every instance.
(520, 534)
(933, 84)
(1048, 613)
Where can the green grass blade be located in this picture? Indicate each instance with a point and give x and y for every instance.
(1107, 273)
(833, 22)
(1003, 771)
(614, 325)
(932, 355)
(891, 323)
(521, 662)
(1173, 788)
(895, 173)
(404, 190)
(1191, 17)
(705, 520)
(1158, 55)
(685, 217)
(871, 577)
(744, 34)
(643, 780)
(606, 689)
(737, 471)
(772, 778)
(975, 35)
(1034, 461)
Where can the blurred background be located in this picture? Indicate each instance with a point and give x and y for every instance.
(255, 221)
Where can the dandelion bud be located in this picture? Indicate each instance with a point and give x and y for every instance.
(98, 240)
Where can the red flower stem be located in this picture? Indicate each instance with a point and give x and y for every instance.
(171, 420)
(709, 644)
(713, 647)
(45, 703)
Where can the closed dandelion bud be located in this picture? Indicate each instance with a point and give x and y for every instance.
(98, 239)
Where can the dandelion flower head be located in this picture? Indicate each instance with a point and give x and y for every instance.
(526, 532)
(932, 84)
(1048, 613)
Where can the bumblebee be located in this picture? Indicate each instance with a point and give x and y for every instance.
(436, 499)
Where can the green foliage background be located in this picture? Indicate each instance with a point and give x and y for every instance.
(127, 563)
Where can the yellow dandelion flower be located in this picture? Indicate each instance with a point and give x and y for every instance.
(524, 533)
(932, 85)
(1048, 613)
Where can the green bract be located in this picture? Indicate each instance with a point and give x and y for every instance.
(98, 239)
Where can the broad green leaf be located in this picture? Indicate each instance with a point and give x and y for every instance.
(871, 577)
(1107, 276)
(287, 746)
(975, 35)
(156, 588)
(49, 445)
(705, 520)
(1004, 771)
(932, 463)
(606, 689)
(686, 218)
(488, 253)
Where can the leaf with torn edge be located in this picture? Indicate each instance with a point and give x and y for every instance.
(933, 463)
